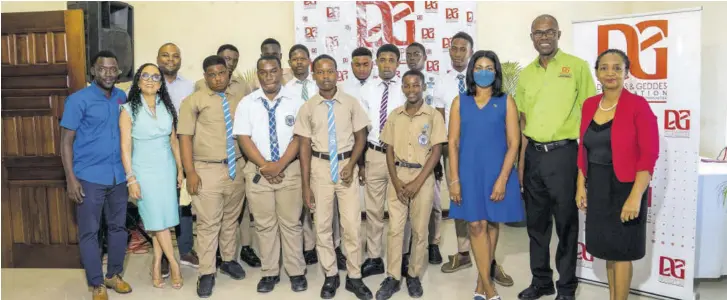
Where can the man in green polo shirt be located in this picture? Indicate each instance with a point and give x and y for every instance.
(549, 96)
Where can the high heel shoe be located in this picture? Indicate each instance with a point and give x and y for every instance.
(177, 281)
(156, 278)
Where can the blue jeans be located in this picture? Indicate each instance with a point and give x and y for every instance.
(111, 200)
(183, 231)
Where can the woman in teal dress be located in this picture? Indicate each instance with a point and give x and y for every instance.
(150, 154)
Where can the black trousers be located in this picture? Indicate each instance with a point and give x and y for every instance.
(550, 189)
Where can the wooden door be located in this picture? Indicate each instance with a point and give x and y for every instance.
(43, 61)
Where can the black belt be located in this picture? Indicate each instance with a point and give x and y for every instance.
(341, 156)
(407, 165)
(224, 161)
(377, 148)
(549, 146)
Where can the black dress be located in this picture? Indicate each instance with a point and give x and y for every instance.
(606, 236)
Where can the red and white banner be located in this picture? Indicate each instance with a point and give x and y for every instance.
(337, 28)
(664, 49)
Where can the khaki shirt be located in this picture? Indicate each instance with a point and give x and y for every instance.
(238, 86)
(312, 121)
(201, 116)
(414, 136)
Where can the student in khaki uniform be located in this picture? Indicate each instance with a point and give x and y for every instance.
(264, 128)
(213, 164)
(238, 87)
(332, 129)
(414, 134)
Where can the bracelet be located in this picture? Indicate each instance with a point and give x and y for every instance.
(129, 175)
(453, 182)
(130, 183)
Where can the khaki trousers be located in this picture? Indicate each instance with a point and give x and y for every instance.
(461, 228)
(418, 212)
(435, 221)
(309, 237)
(349, 209)
(377, 180)
(276, 209)
(246, 228)
(218, 204)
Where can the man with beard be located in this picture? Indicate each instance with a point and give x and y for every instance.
(549, 95)
(331, 127)
(416, 57)
(95, 178)
(303, 87)
(169, 60)
(264, 130)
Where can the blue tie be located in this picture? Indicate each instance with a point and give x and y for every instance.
(332, 147)
(230, 141)
(462, 90)
(274, 151)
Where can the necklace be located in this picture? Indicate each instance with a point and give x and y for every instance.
(600, 105)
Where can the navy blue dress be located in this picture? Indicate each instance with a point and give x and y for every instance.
(482, 148)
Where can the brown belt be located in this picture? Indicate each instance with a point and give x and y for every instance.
(326, 156)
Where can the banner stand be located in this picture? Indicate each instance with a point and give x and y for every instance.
(665, 53)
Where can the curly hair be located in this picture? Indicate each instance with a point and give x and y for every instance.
(134, 97)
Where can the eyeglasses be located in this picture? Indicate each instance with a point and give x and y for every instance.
(108, 71)
(147, 77)
(538, 34)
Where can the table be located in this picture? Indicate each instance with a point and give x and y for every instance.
(711, 240)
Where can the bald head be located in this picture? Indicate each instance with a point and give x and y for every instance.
(169, 59)
(545, 19)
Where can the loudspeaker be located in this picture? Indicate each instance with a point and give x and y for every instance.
(109, 26)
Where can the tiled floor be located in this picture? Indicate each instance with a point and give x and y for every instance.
(27, 284)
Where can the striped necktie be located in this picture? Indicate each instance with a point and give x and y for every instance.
(229, 139)
(332, 145)
(273, 132)
(460, 78)
(382, 110)
(304, 93)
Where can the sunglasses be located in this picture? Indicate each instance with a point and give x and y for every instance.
(147, 77)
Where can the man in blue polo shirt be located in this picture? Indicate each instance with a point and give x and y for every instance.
(95, 179)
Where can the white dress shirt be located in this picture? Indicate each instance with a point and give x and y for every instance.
(251, 119)
(448, 91)
(353, 87)
(371, 96)
(433, 94)
(179, 89)
(295, 87)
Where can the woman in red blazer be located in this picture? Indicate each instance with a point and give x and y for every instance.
(617, 153)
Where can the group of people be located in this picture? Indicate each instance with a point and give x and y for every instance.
(293, 148)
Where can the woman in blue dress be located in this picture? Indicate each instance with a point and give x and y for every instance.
(150, 154)
(484, 134)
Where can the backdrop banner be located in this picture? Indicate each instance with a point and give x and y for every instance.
(337, 28)
(664, 49)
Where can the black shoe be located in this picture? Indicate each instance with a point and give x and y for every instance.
(311, 257)
(340, 259)
(372, 267)
(535, 292)
(330, 285)
(218, 259)
(248, 256)
(435, 257)
(205, 284)
(232, 269)
(298, 283)
(414, 286)
(405, 265)
(165, 267)
(267, 284)
(564, 297)
(388, 288)
(358, 288)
